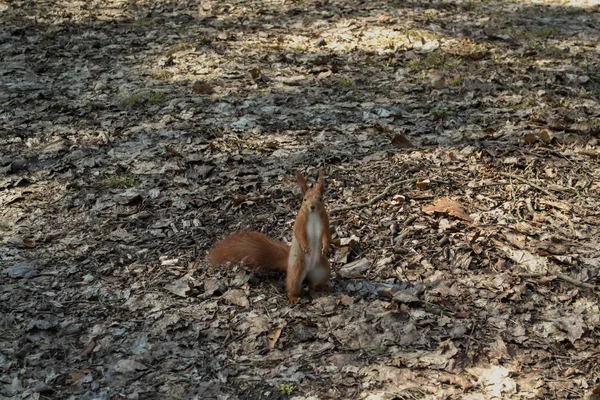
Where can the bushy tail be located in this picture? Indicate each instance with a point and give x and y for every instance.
(254, 249)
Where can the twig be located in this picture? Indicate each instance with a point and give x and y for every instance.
(518, 178)
(374, 200)
(576, 282)
(563, 277)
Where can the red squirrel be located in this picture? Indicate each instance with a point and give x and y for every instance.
(305, 259)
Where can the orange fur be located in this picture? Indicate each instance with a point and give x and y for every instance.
(300, 230)
(326, 234)
(254, 249)
(262, 253)
(293, 281)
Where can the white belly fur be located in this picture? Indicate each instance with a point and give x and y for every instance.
(314, 228)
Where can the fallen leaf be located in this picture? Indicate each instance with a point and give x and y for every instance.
(451, 379)
(531, 262)
(203, 88)
(546, 136)
(593, 394)
(273, 338)
(355, 268)
(397, 200)
(236, 297)
(321, 60)
(182, 287)
(254, 73)
(529, 138)
(75, 377)
(495, 380)
(423, 184)
(128, 366)
(21, 270)
(447, 206)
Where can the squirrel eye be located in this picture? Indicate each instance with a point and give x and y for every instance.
(304, 199)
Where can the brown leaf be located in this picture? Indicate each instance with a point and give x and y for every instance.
(423, 184)
(516, 239)
(400, 141)
(76, 377)
(203, 88)
(237, 297)
(530, 138)
(447, 206)
(324, 74)
(28, 243)
(240, 198)
(451, 379)
(546, 136)
(254, 73)
(593, 394)
(273, 338)
(398, 199)
(321, 60)
(89, 348)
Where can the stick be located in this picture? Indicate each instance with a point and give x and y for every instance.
(576, 282)
(518, 178)
(563, 277)
(374, 200)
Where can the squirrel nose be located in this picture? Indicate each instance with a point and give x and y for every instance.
(312, 207)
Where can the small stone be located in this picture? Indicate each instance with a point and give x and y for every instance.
(100, 86)
(21, 270)
(18, 164)
(355, 268)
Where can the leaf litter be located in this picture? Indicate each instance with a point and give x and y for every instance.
(135, 134)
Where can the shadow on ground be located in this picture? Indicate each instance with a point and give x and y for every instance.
(133, 134)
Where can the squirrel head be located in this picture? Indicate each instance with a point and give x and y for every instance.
(313, 197)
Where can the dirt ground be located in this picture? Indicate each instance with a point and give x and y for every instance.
(460, 144)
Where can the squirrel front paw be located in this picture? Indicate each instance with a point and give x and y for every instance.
(306, 250)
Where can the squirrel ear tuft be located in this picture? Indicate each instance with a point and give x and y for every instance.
(321, 182)
(301, 182)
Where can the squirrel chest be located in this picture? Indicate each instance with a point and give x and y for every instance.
(314, 230)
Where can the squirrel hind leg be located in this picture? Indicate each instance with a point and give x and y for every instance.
(293, 281)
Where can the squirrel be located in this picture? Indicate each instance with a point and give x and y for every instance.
(306, 258)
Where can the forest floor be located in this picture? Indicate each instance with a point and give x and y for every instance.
(133, 134)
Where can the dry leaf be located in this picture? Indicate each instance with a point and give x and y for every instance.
(76, 377)
(236, 297)
(447, 206)
(546, 136)
(203, 88)
(321, 60)
(239, 199)
(355, 268)
(254, 73)
(530, 138)
(397, 199)
(423, 184)
(401, 142)
(593, 394)
(89, 348)
(456, 380)
(346, 300)
(273, 338)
